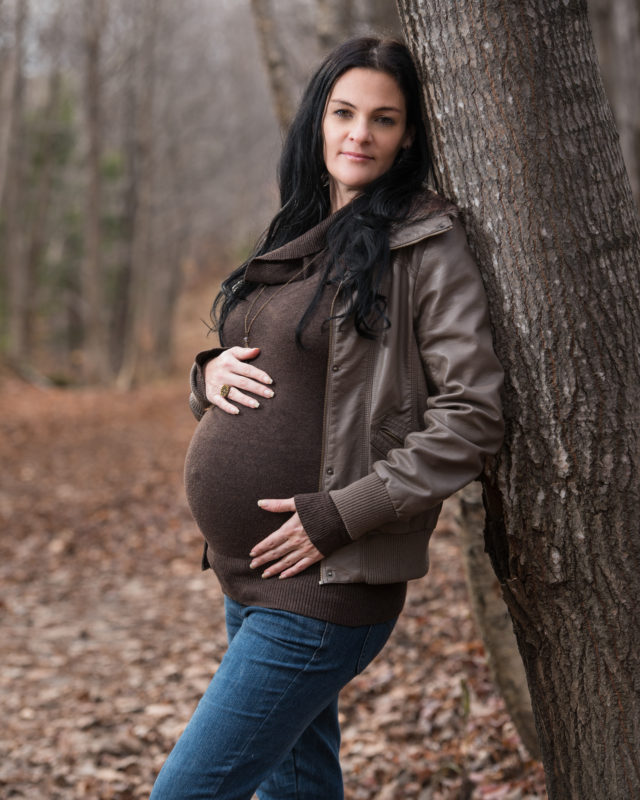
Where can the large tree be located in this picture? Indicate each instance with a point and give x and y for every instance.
(524, 141)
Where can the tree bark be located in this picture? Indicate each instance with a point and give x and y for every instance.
(524, 141)
(492, 618)
(96, 364)
(274, 60)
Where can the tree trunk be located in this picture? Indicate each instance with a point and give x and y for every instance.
(7, 78)
(96, 364)
(334, 22)
(138, 342)
(19, 278)
(616, 30)
(492, 618)
(524, 141)
(382, 17)
(274, 60)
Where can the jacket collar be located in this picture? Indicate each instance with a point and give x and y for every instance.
(416, 230)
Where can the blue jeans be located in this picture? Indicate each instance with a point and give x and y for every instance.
(268, 721)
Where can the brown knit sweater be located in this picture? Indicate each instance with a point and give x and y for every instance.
(274, 452)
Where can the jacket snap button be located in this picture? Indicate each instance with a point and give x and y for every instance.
(329, 470)
(335, 367)
(329, 573)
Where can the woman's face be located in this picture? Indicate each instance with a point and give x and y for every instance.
(363, 128)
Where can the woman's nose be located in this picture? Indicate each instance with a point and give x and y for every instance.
(360, 131)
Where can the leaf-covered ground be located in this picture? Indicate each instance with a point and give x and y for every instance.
(109, 632)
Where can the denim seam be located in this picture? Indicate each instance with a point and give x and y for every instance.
(359, 669)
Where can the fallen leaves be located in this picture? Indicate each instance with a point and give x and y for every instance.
(110, 633)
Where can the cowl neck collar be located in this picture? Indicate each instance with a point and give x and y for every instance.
(280, 265)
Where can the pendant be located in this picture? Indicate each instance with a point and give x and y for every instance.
(246, 341)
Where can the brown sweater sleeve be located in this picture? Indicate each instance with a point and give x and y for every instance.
(321, 521)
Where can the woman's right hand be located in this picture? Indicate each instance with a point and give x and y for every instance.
(230, 369)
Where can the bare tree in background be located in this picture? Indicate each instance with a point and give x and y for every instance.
(492, 617)
(335, 22)
(274, 59)
(524, 141)
(616, 29)
(380, 16)
(138, 353)
(18, 278)
(8, 54)
(96, 362)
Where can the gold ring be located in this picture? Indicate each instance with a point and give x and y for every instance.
(224, 390)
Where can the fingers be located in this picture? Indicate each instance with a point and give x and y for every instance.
(297, 568)
(241, 355)
(231, 369)
(278, 506)
(289, 564)
(289, 547)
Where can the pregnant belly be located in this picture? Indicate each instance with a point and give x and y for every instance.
(234, 461)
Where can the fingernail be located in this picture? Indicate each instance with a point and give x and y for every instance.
(268, 393)
(255, 404)
(262, 503)
(236, 411)
(267, 379)
(265, 575)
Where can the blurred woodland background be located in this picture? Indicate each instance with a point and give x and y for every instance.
(138, 147)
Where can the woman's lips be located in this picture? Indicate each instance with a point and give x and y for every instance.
(357, 156)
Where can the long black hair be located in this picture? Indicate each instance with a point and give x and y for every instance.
(358, 239)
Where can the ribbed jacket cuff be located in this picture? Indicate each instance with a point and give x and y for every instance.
(364, 505)
(198, 402)
(206, 355)
(321, 521)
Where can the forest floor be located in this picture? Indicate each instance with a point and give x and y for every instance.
(109, 632)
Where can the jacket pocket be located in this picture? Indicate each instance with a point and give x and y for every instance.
(390, 434)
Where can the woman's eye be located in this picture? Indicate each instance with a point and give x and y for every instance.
(343, 113)
(386, 120)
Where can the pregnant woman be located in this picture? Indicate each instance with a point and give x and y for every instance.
(354, 389)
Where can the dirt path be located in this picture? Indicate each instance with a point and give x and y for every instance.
(109, 632)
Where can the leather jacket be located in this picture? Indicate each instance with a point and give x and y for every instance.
(410, 416)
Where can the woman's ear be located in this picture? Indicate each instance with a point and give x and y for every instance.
(407, 139)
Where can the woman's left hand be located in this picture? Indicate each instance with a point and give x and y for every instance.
(289, 546)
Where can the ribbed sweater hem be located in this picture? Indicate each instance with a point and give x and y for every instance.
(350, 604)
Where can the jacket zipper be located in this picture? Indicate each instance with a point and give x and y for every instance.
(330, 354)
(332, 324)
